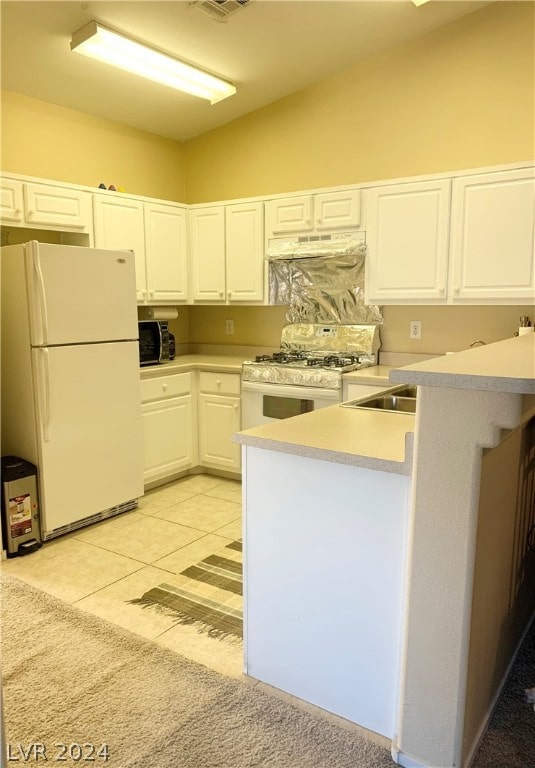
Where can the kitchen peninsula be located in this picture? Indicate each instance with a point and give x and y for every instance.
(362, 557)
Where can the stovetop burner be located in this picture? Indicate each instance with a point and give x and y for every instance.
(314, 355)
(311, 359)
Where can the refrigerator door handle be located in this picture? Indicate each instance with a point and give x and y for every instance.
(44, 393)
(41, 296)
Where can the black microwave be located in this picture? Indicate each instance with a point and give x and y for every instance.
(155, 342)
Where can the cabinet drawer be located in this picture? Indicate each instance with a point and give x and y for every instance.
(220, 383)
(165, 386)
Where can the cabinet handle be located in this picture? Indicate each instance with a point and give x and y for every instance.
(441, 290)
(221, 293)
(17, 212)
(164, 386)
(229, 294)
(308, 222)
(218, 382)
(456, 289)
(151, 294)
(31, 213)
(235, 406)
(319, 221)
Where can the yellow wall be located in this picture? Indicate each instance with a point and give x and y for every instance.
(444, 329)
(44, 140)
(253, 326)
(460, 97)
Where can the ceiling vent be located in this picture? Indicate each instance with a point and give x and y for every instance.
(220, 9)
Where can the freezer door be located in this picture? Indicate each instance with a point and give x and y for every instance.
(89, 427)
(79, 295)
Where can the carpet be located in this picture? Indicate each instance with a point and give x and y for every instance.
(73, 679)
(208, 594)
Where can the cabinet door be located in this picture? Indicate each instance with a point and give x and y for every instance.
(58, 207)
(492, 237)
(166, 253)
(407, 231)
(119, 225)
(207, 263)
(219, 419)
(244, 240)
(168, 437)
(12, 203)
(337, 209)
(292, 214)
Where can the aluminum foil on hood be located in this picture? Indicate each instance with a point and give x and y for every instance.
(321, 281)
(362, 340)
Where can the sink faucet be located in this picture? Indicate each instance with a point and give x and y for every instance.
(478, 341)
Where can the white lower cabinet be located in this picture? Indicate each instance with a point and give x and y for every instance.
(219, 419)
(168, 409)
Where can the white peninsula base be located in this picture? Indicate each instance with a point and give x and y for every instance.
(324, 582)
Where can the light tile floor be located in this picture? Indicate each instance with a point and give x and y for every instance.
(101, 567)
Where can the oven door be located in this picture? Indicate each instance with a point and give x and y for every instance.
(264, 402)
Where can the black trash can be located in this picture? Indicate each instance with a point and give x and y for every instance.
(21, 532)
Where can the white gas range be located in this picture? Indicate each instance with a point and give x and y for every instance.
(306, 374)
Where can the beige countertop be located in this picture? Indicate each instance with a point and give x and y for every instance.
(505, 366)
(361, 438)
(183, 363)
(376, 374)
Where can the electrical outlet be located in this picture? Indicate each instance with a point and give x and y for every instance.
(415, 329)
(229, 327)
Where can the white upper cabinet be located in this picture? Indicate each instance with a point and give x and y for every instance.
(119, 225)
(307, 213)
(492, 238)
(166, 253)
(292, 214)
(244, 240)
(46, 206)
(226, 253)
(407, 232)
(207, 251)
(337, 209)
(157, 235)
(12, 205)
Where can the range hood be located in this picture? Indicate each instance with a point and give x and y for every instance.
(321, 280)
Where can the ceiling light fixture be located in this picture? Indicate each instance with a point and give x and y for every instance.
(103, 44)
(419, 2)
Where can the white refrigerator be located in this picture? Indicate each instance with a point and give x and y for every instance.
(70, 379)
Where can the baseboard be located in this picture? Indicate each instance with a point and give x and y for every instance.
(193, 471)
(405, 761)
(484, 725)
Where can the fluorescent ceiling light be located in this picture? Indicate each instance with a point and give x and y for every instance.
(102, 44)
(419, 2)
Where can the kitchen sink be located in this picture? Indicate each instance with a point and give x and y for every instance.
(388, 403)
(400, 399)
